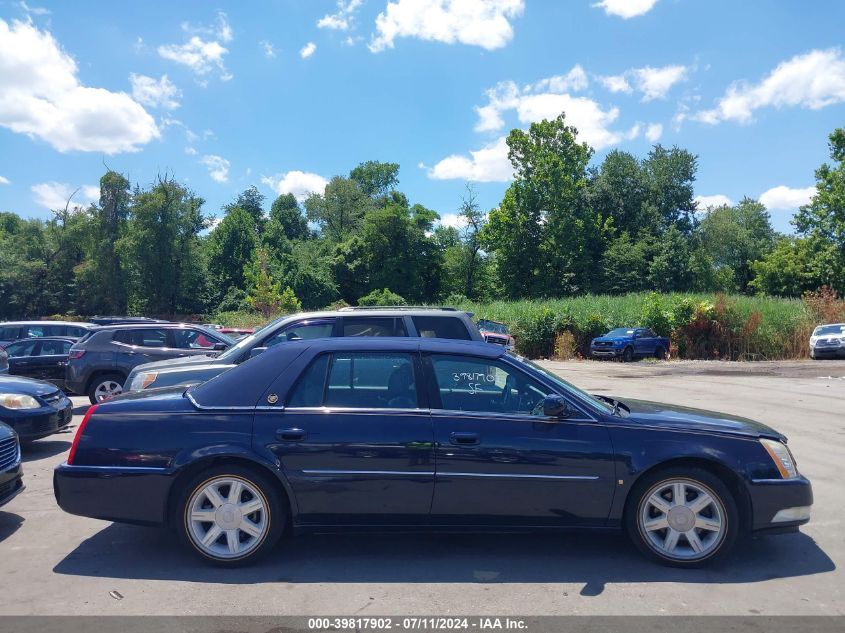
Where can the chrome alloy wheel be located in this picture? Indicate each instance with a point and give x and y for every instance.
(107, 389)
(682, 519)
(227, 517)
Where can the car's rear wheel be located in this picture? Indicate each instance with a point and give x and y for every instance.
(628, 355)
(230, 515)
(104, 387)
(660, 353)
(683, 517)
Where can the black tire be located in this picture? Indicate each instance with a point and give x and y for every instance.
(276, 517)
(660, 353)
(100, 380)
(704, 479)
(628, 355)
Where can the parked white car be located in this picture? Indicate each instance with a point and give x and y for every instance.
(828, 341)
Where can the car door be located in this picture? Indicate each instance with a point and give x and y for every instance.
(500, 461)
(142, 345)
(22, 358)
(355, 440)
(51, 360)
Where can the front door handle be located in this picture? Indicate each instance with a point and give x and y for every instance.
(464, 438)
(291, 435)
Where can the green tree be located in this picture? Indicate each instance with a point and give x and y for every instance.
(376, 179)
(670, 270)
(340, 210)
(286, 218)
(670, 174)
(230, 248)
(250, 200)
(544, 233)
(618, 192)
(795, 266)
(625, 264)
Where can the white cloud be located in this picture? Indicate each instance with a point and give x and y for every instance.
(488, 164)
(33, 10)
(784, 198)
(41, 97)
(813, 81)
(343, 19)
(655, 83)
(4, 180)
(268, 48)
(709, 202)
(155, 92)
(453, 220)
(190, 151)
(626, 9)
(484, 23)
(203, 52)
(616, 83)
(54, 195)
(654, 132)
(300, 183)
(218, 167)
(307, 50)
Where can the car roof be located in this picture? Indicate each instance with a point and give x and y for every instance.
(77, 323)
(69, 339)
(398, 344)
(170, 325)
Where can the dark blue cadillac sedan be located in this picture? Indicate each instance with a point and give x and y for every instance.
(351, 433)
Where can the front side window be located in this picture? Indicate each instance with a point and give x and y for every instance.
(18, 350)
(483, 385)
(193, 339)
(9, 333)
(441, 327)
(301, 331)
(361, 380)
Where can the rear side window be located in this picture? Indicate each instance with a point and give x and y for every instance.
(9, 333)
(54, 348)
(143, 338)
(193, 339)
(441, 327)
(361, 380)
(24, 348)
(373, 326)
(76, 331)
(35, 331)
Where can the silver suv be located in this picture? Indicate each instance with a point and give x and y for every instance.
(99, 363)
(404, 321)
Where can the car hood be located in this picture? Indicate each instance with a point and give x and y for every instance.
(686, 418)
(611, 339)
(26, 386)
(175, 362)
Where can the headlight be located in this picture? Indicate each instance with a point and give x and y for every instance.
(18, 401)
(781, 457)
(143, 380)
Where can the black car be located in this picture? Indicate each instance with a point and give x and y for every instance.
(415, 433)
(35, 409)
(123, 320)
(11, 331)
(99, 363)
(40, 358)
(11, 472)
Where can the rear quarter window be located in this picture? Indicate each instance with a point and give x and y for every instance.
(441, 327)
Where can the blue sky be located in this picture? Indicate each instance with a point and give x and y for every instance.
(286, 94)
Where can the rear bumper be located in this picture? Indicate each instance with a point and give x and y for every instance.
(775, 503)
(38, 423)
(122, 494)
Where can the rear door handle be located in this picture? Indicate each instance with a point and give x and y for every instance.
(291, 435)
(464, 438)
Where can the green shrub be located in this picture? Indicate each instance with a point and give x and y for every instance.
(383, 297)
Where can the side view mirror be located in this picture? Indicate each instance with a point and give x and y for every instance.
(256, 351)
(219, 347)
(555, 406)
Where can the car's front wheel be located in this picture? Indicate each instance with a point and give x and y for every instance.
(104, 387)
(628, 355)
(230, 515)
(683, 517)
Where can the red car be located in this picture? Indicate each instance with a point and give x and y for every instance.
(237, 333)
(496, 333)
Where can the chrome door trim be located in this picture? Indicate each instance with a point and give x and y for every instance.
(518, 476)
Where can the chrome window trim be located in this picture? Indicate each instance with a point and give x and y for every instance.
(358, 410)
(513, 417)
(415, 473)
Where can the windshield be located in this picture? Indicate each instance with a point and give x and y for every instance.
(569, 388)
(248, 341)
(823, 330)
(620, 331)
(493, 326)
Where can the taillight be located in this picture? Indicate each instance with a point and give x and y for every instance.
(79, 432)
(76, 353)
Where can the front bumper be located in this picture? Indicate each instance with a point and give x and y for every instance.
(127, 495)
(605, 352)
(828, 351)
(11, 483)
(773, 499)
(34, 424)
